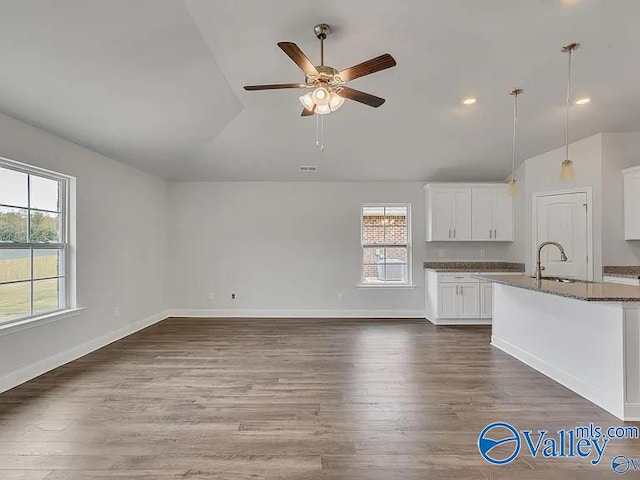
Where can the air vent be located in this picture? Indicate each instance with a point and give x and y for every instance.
(308, 168)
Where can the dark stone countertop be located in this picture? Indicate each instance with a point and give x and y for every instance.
(627, 271)
(474, 267)
(587, 291)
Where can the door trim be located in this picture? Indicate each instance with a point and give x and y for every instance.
(534, 223)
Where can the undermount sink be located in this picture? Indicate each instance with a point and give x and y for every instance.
(563, 280)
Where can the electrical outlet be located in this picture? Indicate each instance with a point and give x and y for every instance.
(116, 312)
(210, 296)
(340, 296)
(441, 253)
(233, 296)
(483, 253)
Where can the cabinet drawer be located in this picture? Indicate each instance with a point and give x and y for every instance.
(463, 277)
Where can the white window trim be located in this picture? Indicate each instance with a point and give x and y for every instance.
(408, 285)
(67, 213)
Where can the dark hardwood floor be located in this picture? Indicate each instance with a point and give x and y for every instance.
(289, 399)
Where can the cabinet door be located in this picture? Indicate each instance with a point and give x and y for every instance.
(482, 214)
(486, 300)
(469, 300)
(462, 214)
(502, 213)
(631, 203)
(448, 300)
(440, 208)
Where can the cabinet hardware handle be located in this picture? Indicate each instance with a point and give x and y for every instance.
(454, 233)
(449, 233)
(457, 288)
(490, 233)
(461, 290)
(495, 233)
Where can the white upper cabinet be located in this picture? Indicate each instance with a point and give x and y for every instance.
(632, 203)
(448, 214)
(466, 212)
(492, 214)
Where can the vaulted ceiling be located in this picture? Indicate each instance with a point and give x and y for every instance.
(158, 83)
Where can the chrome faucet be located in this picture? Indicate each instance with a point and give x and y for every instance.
(539, 267)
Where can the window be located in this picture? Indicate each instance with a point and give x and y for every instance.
(386, 252)
(33, 242)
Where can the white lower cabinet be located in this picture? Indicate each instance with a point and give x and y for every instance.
(457, 299)
(486, 300)
(469, 300)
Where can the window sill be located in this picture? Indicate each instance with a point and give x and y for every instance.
(17, 325)
(372, 286)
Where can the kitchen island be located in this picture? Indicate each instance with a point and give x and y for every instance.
(586, 336)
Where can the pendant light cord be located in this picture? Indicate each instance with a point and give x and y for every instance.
(515, 124)
(568, 105)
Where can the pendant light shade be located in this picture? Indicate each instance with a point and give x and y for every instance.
(566, 169)
(512, 185)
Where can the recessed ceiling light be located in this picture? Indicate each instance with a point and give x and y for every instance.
(583, 101)
(469, 100)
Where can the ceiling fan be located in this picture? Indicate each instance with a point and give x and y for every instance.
(326, 84)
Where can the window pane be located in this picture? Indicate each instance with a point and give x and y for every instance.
(45, 227)
(47, 263)
(13, 188)
(14, 300)
(46, 295)
(13, 224)
(372, 265)
(396, 211)
(44, 194)
(395, 271)
(395, 254)
(373, 235)
(15, 265)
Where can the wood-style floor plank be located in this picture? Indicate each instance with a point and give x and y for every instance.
(263, 399)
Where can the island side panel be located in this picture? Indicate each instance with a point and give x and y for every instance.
(579, 344)
(632, 362)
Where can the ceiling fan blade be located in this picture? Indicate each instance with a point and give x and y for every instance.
(366, 68)
(274, 86)
(298, 56)
(362, 97)
(308, 113)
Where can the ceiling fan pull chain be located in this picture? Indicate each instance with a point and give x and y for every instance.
(321, 133)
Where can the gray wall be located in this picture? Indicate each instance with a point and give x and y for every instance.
(122, 247)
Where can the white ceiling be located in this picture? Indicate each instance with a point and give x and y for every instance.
(158, 83)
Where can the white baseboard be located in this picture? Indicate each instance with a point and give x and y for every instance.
(632, 412)
(461, 321)
(45, 365)
(240, 313)
(563, 378)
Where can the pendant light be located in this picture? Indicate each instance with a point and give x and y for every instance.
(512, 186)
(566, 170)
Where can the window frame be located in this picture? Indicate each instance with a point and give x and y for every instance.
(66, 300)
(387, 285)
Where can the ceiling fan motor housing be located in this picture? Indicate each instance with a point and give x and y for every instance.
(322, 30)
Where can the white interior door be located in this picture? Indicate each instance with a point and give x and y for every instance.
(563, 218)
